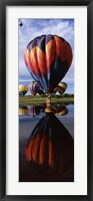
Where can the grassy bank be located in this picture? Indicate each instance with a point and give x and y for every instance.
(38, 100)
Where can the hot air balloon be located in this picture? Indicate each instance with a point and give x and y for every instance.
(51, 143)
(60, 109)
(34, 88)
(48, 58)
(23, 110)
(61, 88)
(20, 23)
(34, 110)
(23, 89)
(63, 111)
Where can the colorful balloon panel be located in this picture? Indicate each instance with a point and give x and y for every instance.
(48, 58)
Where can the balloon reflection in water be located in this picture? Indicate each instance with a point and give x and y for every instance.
(63, 111)
(34, 110)
(58, 109)
(31, 110)
(51, 142)
(23, 110)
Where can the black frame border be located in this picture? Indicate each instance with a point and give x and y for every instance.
(3, 4)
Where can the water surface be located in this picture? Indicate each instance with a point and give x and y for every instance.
(47, 164)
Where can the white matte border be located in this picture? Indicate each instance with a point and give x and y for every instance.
(79, 186)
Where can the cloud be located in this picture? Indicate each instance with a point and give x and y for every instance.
(34, 27)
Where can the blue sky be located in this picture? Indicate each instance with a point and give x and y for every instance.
(35, 27)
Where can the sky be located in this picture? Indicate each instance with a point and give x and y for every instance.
(35, 27)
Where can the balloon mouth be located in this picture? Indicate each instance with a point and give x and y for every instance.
(50, 113)
(48, 91)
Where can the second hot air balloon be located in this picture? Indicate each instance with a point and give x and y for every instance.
(35, 88)
(61, 88)
(23, 89)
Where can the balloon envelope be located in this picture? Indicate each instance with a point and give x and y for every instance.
(48, 58)
(51, 142)
(23, 89)
(34, 88)
(20, 24)
(34, 110)
(61, 88)
(60, 109)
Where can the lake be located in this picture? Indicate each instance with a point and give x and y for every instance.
(46, 144)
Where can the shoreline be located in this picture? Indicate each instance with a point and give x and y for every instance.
(38, 100)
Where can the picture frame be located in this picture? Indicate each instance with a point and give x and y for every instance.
(3, 4)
